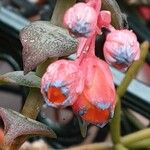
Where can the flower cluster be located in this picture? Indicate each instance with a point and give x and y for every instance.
(86, 84)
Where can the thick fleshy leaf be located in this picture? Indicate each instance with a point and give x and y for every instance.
(42, 40)
(18, 77)
(17, 125)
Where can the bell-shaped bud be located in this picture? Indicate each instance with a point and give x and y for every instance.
(97, 101)
(62, 83)
(81, 20)
(121, 48)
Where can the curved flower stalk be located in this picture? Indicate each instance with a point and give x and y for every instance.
(121, 48)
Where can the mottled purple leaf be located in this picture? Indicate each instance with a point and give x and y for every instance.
(17, 125)
(42, 40)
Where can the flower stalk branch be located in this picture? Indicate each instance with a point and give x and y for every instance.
(132, 71)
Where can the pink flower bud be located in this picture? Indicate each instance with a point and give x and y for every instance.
(81, 20)
(96, 4)
(62, 83)
(121, 48)
(104, 19)
(97, 101)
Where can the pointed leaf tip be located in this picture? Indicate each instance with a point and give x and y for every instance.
(17, 125)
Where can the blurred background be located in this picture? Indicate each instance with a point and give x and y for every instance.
(15, 14)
